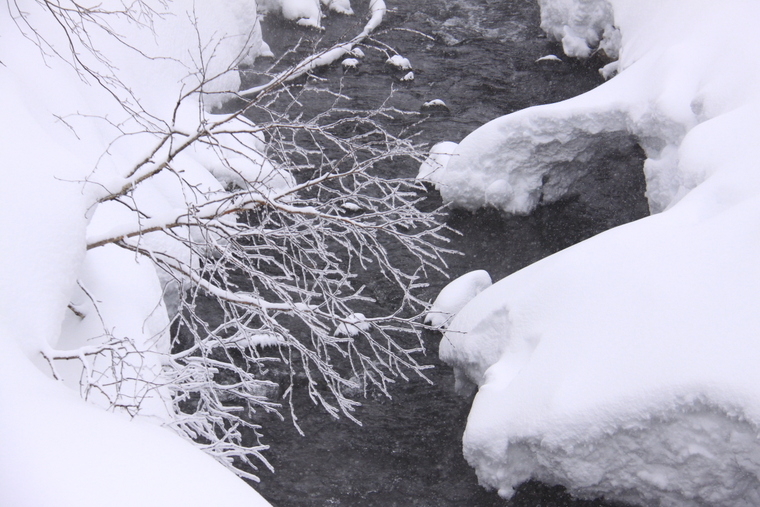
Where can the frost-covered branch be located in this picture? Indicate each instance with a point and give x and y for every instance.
(289, 257)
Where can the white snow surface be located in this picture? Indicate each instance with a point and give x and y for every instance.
(340, 6)
(435, 103)
(455, 296)
(399, 62)
(61, 451)
(581, 26)
(305, 12)
(437, 160)
(350, 63)
(625, 366)
(60, 128)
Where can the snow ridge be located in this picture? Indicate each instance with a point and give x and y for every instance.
(624, 365)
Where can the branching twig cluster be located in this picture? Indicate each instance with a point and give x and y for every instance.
(271, 271)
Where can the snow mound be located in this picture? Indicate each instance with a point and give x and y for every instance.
(377, 10)
(609, 335)
(435, 104)
(624, 366)
(60, 299)
(437, 160)
(455, 295)
(580, 25)
(399, 62)
(93, 457)
(409, 76)
(350, 63)
(339, 6)
(350, 206)
(674, 458)
(303, 12)
(531, 156)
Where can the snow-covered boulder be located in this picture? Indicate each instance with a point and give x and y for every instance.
(350, 63)
(434, 105)
(399, 62)
(625, 366)
(580, 25)
(340, 6)
(455, 295)
(303, 12)
(437, 160)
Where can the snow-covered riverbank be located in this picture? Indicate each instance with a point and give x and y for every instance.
(625, 366)
(87, 91)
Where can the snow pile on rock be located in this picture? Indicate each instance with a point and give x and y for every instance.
(549, 58)
(340, 6)
(399, 62)
(582, 26)
(305, 12)
(350, 63)
(625, 366)
(437, 160)
(455, 296)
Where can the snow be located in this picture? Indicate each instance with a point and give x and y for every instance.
(62, 128)
(455, 295)
(437, 160)
(377, 12)
(549, 58)
(625, 366)
(340, 6)
(409, 76)
(434, 104)
(609, 70)
(579, 25)
(350, 206)
(350, 63)
(303, 12)
(61, 451)
(399, 62)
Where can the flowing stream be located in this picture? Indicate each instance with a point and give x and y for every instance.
(479, 57)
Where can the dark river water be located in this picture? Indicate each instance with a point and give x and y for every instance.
(479, 57)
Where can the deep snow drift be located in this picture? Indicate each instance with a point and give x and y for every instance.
(625, 366)
(90, 107)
